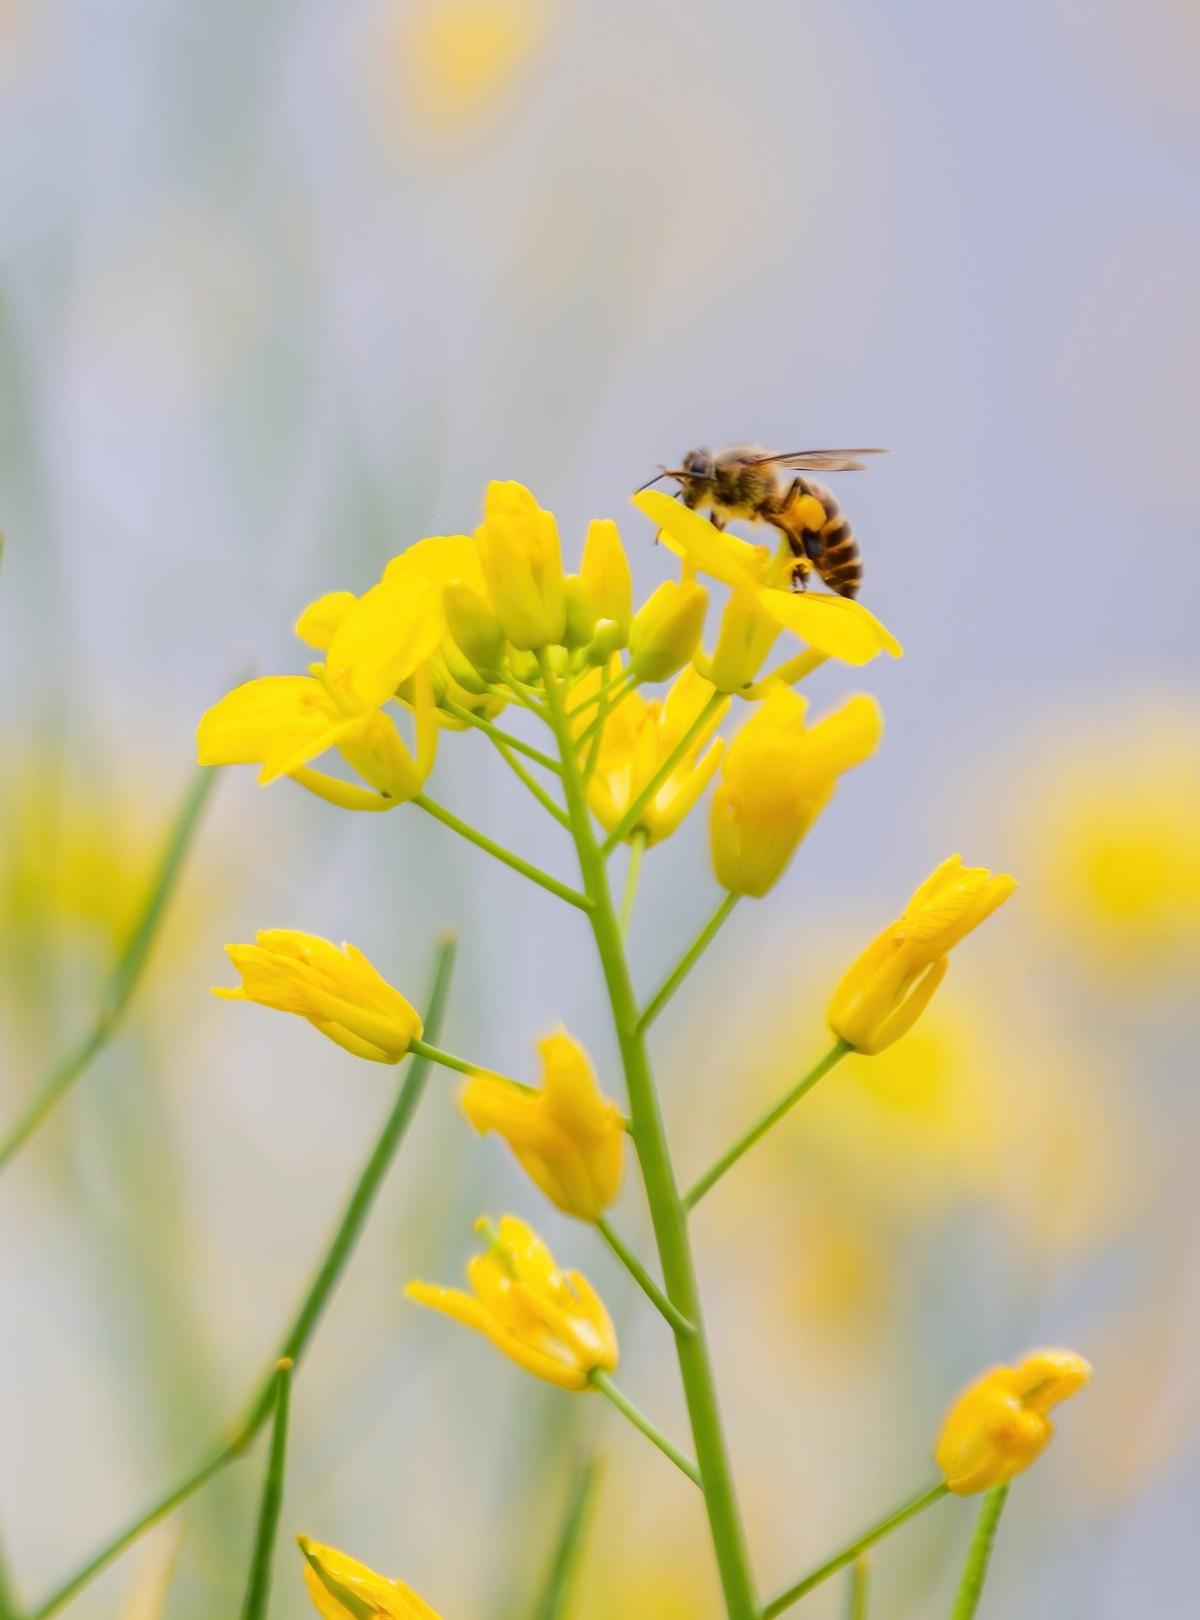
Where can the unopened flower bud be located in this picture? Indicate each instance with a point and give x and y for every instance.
(666, 629)
(476, 630)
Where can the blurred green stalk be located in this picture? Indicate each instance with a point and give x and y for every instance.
(979, 1554)
(258, 1588)
(336, 1257)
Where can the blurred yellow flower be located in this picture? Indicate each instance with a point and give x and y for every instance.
(335, 989)
(888, 987)
(666, 629)
(1115, 840)
(343, 1589)
(833, 625)
(999, 1426)
(449, 63)
(776, 778)
(521, 558)
(568, 1137)
(551, 1322)
(638, 738)
(282, 722)
(745, 636)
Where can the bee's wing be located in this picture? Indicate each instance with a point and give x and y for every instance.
(818, 460)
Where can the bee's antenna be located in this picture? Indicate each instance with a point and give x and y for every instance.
(674, 472)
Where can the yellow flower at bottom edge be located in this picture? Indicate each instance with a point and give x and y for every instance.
(336, 990)
(777, 777)
(887, 989)
(999, 1426)
(568, 1137)
(343, 1589)
(638, 737)
(551, 1322)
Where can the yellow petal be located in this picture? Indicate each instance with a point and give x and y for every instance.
(277, 721)
(389, 631)
(723, 556)
(443, 559)
(833, 625)
(321, 618)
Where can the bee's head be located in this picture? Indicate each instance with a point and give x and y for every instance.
(696, 476)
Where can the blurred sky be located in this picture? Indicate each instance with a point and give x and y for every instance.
(277, 297)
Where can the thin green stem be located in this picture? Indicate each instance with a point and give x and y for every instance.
(687, 961)
(130, 964)
(499, 735)
(772, 1117)
(531, 782)
(605, 690)
(630, 819)
(258, 1587)
(637, 848)
(857, 1547)
(602, 1382)
(559, 1583)
(675, 1319)
(498, 851)
(608, 706)
(316, 1297)
(450, 1060)
(860, 1589)
(979, 1554)
(666, 1210)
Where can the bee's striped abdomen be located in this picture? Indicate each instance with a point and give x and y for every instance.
(831, 548)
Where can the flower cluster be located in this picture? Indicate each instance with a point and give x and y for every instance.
(460, 629)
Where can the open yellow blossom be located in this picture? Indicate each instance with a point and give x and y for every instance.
(887, 989)
(999, 1426)
(283, 722)
(833, 625)
(638, 738)
(551, 1322)
(568, 1137)
(522, 563)
(335, 988)
(343, 1589)
(777, 777)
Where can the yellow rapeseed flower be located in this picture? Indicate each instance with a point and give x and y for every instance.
(666, 629)
(887, 989)
(777, 777)
(283, 722)
(999, 1426)
(607, 578)
(336, 989)
(638, 738)
(833, 625)
(568, 1137)
(521, 557)
(551, 1322)
(343, 1589)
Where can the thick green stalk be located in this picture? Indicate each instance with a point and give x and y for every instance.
(979, 1554)
(758, 1130)
(687, 961)
(602, 1382)
(506, 856)
(855, 1550)
(666, 1209)
(559, 1583)
(128, 970)
(313, 1304)
(258, 1587)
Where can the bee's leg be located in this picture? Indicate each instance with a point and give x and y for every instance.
(716, 519)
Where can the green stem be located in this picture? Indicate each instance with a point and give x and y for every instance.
(772, 1117)
(637, 848)
(449, 1060)
(687, 961)
(667, 1213)
(609, 703)
(602, 1382)
(979, 1554)
(531, 782)
(675, 1319)
(8, 1603)
(855, 1550)
(564, 1565)
(258, 1587)
(128, 970)
(630, 819)
(603, 691)
(317, 1296)
(860, 1589)
(506, 856)
(499, 735)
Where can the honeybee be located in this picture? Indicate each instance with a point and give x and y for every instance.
(744, 481)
